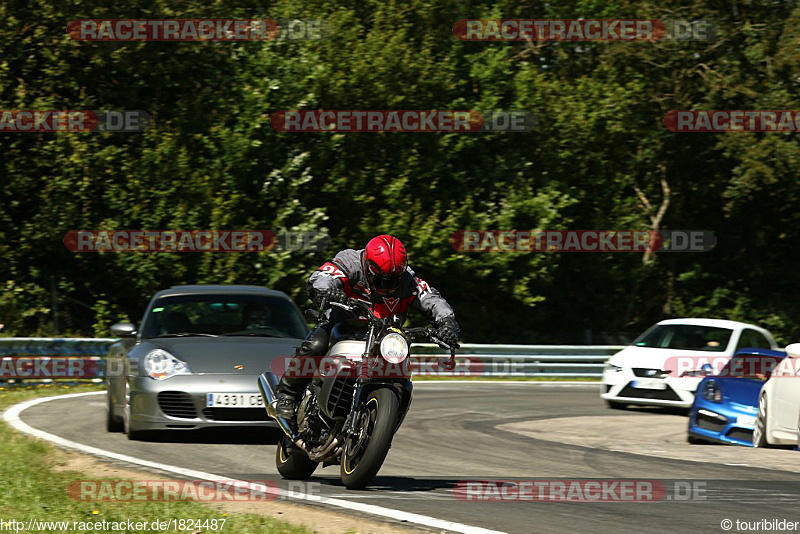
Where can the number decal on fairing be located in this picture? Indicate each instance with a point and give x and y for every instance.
(332, 270)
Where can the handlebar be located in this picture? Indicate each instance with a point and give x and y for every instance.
(355, 305)
(426, 332)
(429, 334)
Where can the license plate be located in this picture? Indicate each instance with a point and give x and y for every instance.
(234, 400)
(649, 384)
(748, 420)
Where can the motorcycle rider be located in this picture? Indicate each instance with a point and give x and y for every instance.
(379, 274)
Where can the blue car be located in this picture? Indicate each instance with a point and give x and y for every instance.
(726, 404)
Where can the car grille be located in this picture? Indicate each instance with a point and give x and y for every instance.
(177, 404)
(649, 373)
(235, 414)
(341, 397)
(655, 394)
(710, 423)
(742, 434)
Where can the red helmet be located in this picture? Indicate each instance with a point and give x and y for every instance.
(385, 260)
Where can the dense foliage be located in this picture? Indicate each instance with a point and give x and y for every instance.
(599, 158)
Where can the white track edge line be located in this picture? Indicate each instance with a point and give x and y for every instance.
(12, 417)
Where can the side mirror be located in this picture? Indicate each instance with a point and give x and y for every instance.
(707, 369)
(793, 350)
(312, 315)
(123, 329)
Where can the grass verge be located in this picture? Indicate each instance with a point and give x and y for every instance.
(33, 489)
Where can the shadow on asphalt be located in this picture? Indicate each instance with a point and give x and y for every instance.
(669, 410)
(231, 436)
(393, 483)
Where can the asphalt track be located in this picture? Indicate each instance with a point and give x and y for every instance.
(452, 435)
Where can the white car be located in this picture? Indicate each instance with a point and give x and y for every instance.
(665, 364)
(779, 404)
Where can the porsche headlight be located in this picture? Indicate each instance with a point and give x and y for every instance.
(394, 348)
(160, 364)
(711, 391)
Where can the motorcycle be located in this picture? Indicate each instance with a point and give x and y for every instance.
(351, 410)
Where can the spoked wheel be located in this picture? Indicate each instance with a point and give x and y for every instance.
(760, 431)
(365, 452)
(294, 465)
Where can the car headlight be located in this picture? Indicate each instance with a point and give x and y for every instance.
(613, 368)
(711, 391)
(394, 348)
(160, 364)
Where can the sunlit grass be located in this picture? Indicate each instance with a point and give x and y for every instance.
(32, 489)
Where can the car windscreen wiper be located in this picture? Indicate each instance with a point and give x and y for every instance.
(186, 334)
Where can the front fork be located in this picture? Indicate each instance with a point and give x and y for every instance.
(363, 377)
(351, 425)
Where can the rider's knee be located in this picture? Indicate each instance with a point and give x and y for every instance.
(315, 344)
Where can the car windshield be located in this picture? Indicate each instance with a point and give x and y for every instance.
(753, 366)
(685, 337)
(231, 315)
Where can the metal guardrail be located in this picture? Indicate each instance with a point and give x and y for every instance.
(49, 346)
(47, 359)
(473, 359)
(563, 361)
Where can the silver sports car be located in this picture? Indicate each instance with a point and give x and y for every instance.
(195, 359)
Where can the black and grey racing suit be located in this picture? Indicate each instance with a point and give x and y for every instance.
(346, 272)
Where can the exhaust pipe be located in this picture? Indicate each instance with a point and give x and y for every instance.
(267, 383)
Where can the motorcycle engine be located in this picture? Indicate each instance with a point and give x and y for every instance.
(306, 413)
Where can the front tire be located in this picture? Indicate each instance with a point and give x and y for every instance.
(760, 431)
(614, 405)
(364, 454)
(113, 422)
(132, 433)
(295, 465)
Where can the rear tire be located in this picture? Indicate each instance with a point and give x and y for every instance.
(295, 465)
(363, 458)
(760, 431)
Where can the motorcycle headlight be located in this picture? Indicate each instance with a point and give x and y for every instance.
(160, 364)
(394, 348)
(712, 392)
